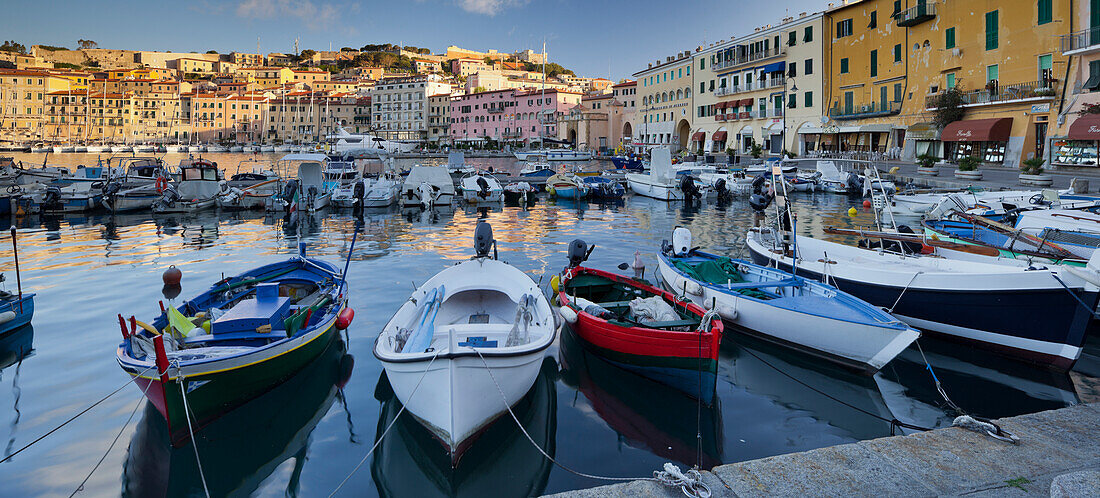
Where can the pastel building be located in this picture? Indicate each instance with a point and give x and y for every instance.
(665, 89)
(509, 115)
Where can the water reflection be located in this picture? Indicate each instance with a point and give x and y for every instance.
(501, 462)
(626, 402)
(242, 448)
(15, 347)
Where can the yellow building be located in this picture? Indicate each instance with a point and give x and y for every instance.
(1075, 136)
(665, 109)
(308, 76)
(22, 102)
(333, 86)
(187, 65)
(865, 77)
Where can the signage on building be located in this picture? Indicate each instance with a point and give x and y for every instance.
(1038, 108)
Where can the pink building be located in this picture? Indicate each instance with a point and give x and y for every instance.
(509, 115)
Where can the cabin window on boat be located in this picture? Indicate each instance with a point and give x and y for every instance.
(989, 152)
(1076, 152)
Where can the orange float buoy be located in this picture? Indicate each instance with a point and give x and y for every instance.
(866, 204)
(172, 275)
(343, 320)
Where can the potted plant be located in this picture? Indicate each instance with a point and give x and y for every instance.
(926, 165)
(757, 150)
(968, 168)
(730, 153)
(1031, 173)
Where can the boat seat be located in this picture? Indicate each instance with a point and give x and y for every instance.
(687, 322)
(231, 336)
(614, 304)
(267, 308)
(788, 282)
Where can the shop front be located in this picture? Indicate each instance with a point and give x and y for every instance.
(809, 137)
(718, 141)
(1081, 146)
(697, 141)
(745, 139)
(926, 139)
(985, 139)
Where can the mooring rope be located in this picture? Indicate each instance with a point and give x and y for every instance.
(690, 482)
(137, 405)
(74, 417)
(388, 427)
(964, 419)
(191, 430)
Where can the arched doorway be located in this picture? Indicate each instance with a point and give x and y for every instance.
(628, 132)
(683, 132)
(572, 136)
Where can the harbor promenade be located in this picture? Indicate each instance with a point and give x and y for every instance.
(1058, 455)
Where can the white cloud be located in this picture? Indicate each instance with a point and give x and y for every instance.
(488, 7)
(314, 16)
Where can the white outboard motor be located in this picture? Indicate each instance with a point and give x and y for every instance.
(427, 197)
(681, 241)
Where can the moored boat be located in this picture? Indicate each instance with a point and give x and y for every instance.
(783, 308)
(16, 309)
(641, 328)
(566, 186)
(520, 193)
(662, 182)
(480, 187)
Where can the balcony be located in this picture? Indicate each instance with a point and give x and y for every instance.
(495, 109)
(841, 113)
(775, 113)
(512, 134)
(726, 90)
(916, 15)
(1081, 42)
(750, 57)
(996, 93)
(720, 117)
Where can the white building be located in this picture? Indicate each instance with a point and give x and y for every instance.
(400, 105)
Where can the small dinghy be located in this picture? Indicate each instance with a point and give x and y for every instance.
(639, 327)
(520, 193)
(16, 309)
(427, 187)
(480, 187)
(470, 332)
(237, 340)
(783, 308)
(663, 182)
(566, 186)
(602, 188)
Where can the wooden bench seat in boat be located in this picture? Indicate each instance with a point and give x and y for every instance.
(687, 322)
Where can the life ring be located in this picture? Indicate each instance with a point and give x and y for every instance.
(162, 184)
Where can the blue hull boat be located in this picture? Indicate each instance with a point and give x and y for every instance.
(627, 163)
(15, 312)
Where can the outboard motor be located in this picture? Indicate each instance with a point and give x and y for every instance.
(427, 195)
(483, 185)
(759, 202)
(854, 183)
(758, 185)
(688, 187)
(681, 241)
(51, 199)
(359, 192)
(483, 239)
(724, 192)
(288, 193)
(578, 253)
(110, 192)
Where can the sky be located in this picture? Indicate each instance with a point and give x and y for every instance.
(595, 38)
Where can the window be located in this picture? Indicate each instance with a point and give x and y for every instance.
(897, 53)
(1093, 82)
(849, 99)
(1045, 11)
(874, 63)
(808, 99)
(897, 8)
(808, 67)
(949, 38)
(898, 88)
(680, 73)
(792, 69)
(808, 34)
(791, 38)
(1045, 69)
(702, 63)
(792, 101)
(991, 30)
(844, 65)
(702, 86)
(874, 20)
(844, 28)
(950, 80)
(991, 73)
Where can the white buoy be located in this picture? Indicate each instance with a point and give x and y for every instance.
(568, 314)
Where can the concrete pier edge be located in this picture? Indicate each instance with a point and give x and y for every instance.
(943, 462)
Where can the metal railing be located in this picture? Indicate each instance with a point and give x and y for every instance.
(995, 93)
(916, 14)
(495, 110)
(751, 85)
(1081, 39)
(750, 57)
(864, 110)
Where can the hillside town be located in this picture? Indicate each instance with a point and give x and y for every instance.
(861, 77)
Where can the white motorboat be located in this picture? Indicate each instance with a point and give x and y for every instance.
(145, 148)
(97, 149)
(1038, 314)
(727, 184)
(171, 149)
(368, 193)
(267, 148)
(39, 148)
(118, 199)
(780, 307)
(249, 189)
(282, 148)
(662, 183)
(306, 192)
(343, 142)
(427, 186)
(456, 164)
(121, 148)
(556, 155)
(74, 198)
(467, 345)
(480, 187)
(536, 165)
(236, 148)
(196, 189)
(216, 148)
(835, 181)
(1077, 231)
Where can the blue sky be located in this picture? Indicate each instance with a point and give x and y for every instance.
(595, 38)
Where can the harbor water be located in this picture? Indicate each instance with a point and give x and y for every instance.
(306, 436)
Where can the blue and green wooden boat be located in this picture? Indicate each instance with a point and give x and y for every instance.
(244, 336)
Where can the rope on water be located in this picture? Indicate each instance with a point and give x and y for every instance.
(74, 417)
(191, 430)
(113, 442)
(388, 427)
(963, 419)
(690, 483)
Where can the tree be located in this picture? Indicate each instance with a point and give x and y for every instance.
(488, 60)
(949, 107)
(86, 44)
(307, 54)
(12, 46)
(348, 49)
(480, 89)
(211, 51)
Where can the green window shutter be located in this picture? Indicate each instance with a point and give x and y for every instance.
(992, 73)
(1045, 62)
(791, 38)
(883, 97)
(1045, 11)
(843, 65)
(809, 98)
(991, 30)
(874, 63)
(808, 36)
(949, 35)
(950, 80)
(897, 53)
(792, 102)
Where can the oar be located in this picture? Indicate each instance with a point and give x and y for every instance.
(900, 237)
(18, 281)
(981, 220)
(250, 187)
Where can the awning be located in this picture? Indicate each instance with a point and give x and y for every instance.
(809, 128)
(777, 127)
(722, 105)
(774, 67)
(922, 131)
(875, 128)
(848, 129)
(978, 130)
(746, 102)
(698, 136)
(719, 136)
(1086, 127)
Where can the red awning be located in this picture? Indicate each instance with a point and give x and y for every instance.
(722, 105)
(698, 136)
(978, 130)
(1086, 127)
(746, 102)
(719, 136)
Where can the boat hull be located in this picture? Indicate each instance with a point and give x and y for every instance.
(16, 313)
(1042, 326)
(640, 185)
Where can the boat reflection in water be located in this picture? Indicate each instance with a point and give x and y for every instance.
(863, 407)
(15, 346)
(646, 414)
(243, 447)
(410, 461)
